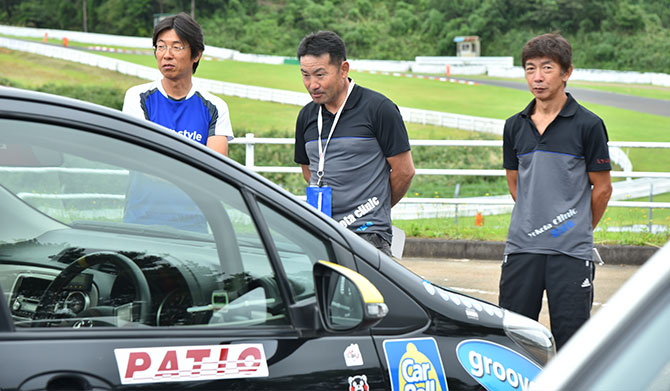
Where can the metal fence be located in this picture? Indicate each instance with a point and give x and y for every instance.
(662, 185)
(617, 155)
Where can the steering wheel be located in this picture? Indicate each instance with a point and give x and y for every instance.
(49, 298)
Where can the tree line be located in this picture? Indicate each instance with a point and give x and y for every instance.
(605, 34)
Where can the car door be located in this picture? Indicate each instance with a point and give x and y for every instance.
(130, 257)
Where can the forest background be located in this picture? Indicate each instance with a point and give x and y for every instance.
(605, 34)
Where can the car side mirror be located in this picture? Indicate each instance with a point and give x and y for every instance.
(347, 300)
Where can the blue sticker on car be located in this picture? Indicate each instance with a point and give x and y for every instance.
(496, 367)
(415, 364)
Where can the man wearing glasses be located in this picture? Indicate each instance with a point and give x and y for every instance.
(174, 102)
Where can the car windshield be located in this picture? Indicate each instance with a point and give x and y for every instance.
(99, 231)
(82, 187)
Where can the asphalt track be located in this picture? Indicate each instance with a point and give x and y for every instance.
(480, 279)
(636, 103)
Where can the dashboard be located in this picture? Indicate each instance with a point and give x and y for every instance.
(72, 278)
(76, 297)
(101, 295)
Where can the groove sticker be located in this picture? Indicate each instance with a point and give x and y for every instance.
(496, 367)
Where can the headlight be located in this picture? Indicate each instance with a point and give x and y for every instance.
(531, 335)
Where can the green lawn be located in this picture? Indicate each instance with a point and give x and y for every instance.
(478, 100)
(278, 120)
(275, 117)
(281, 118)
(32, 70)
(496, 226)
(643, 90)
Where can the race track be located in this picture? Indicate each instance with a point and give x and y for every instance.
(630, 102)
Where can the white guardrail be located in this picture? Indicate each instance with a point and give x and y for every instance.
(413, 208)
(617, 155)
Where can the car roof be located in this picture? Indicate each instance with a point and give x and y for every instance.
(591, 342)
(43, 97)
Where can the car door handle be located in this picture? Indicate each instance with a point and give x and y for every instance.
(59, 381)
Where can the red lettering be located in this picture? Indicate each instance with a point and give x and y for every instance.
(250, 364)
(223, 360)
(134, 366)
(170, 363)
(197, 355)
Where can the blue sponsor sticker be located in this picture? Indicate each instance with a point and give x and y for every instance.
(415, 365)
(496, 367)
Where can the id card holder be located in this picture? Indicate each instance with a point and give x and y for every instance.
(321, 197)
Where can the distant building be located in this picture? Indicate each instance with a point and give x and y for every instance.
(467, 46)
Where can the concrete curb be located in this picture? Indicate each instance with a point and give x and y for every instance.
(467, 249)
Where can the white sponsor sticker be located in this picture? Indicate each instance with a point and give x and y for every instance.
(190, 363)
(353, 356)
(429, 287)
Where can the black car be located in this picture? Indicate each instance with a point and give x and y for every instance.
(225, 281)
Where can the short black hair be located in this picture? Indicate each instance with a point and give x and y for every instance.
(550, 45)
(322, 42)
(187, 29)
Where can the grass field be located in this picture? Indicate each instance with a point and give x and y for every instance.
(477, 100)
(648, 91)
(278, 120)
(495, 226)
(32, 70)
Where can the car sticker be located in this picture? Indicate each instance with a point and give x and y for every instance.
(470, 304)
(471, 314)
(444, 294)
(478, 305)
(429, 287)
(455, 298)
(190, 363)
(415, 364)
(353, 356)
(496, 367)
(358, 383)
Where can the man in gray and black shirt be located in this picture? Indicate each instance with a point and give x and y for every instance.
(364, 148)
(558, 171)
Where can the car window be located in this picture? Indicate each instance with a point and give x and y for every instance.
(298, 250)
(102, 232)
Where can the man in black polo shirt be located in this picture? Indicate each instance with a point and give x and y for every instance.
(558, 171)
(352, 140)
